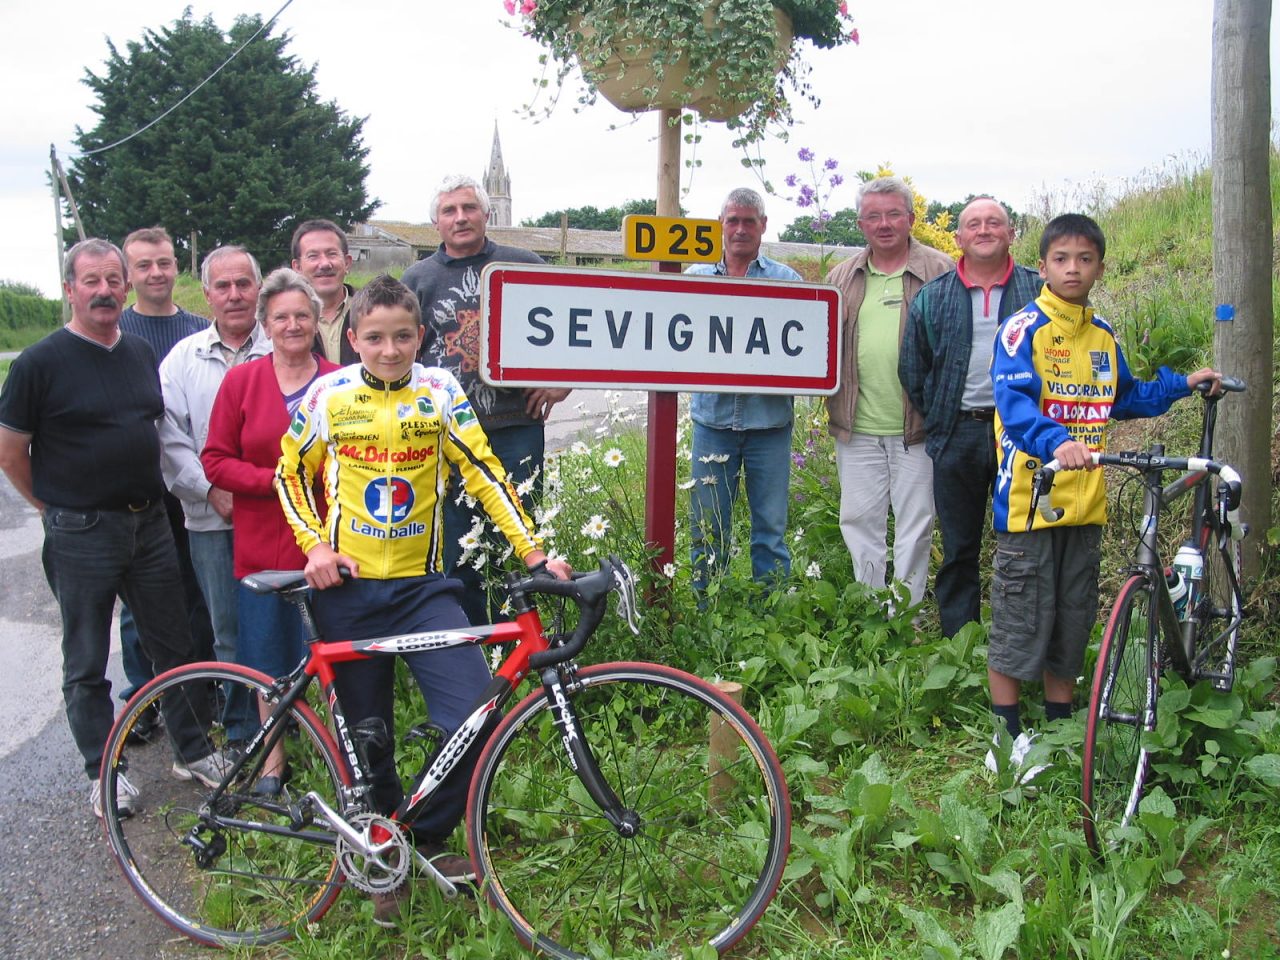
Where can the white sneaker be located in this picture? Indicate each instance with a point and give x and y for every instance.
(127, 797)
(210, 771)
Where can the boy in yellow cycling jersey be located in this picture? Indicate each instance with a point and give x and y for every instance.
(381, 434)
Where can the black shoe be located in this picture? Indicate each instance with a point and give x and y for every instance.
(146, 729)
(271, 788)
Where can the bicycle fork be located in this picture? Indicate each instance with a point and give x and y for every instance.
(583, 760)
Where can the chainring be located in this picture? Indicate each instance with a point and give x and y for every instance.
(387, 867)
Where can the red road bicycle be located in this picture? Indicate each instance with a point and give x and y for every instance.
(616, 810)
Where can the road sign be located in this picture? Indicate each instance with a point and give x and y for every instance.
(672, 238)
(638, 331)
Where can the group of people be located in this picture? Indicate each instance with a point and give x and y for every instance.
(308, 425)
(305, 425)
(957, 380)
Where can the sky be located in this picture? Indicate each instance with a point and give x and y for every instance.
(1023, 99)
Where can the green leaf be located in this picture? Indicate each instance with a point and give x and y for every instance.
(939, 676)
(1265, 768)
(931, 932)
(996, 930)
(1157, 801)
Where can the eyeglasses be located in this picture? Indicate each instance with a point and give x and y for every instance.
(875, 219)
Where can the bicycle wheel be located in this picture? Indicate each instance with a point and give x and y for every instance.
(707, 790)
(1122, 704)
(1218, 613)
(239, 872)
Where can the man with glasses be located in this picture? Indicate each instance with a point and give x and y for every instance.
(320, 254)
(879, 435)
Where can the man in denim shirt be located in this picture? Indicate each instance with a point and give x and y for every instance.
(741, 434)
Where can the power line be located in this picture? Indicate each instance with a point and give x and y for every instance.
(192, 92)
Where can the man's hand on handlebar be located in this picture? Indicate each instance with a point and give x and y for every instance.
(1073, 455)
(322, 566)
(556, 566)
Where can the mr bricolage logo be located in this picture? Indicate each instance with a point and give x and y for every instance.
(388, 502)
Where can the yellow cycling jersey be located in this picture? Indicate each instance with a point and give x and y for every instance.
(383, 451)
(1060, 375)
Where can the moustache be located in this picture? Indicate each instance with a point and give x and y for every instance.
(102, 301)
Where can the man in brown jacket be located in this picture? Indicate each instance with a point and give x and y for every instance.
(879, 436)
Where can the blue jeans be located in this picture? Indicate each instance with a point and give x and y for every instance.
(451, 680)
(520, 448)
(211, 558)
(963, 474)
(91, 557)
(271, 638)
(137, 668)
(762, 458)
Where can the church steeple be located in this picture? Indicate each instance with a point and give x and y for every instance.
(498, 185)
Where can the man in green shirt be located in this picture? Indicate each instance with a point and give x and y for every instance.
(879, 436)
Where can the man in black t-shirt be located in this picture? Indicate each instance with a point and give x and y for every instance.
(78, 440)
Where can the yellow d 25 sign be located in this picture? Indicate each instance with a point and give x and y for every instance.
(672, 238)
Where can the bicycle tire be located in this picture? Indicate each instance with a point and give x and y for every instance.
(1218, 612)
(1122, 706)
(263, 885)
(568, 882)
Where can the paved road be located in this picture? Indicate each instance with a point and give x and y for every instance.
(61, 894)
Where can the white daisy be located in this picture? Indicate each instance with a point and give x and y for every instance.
(595, 527)
(613, 457)
(813, 571)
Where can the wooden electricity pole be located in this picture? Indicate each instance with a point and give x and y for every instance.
(1242, 248)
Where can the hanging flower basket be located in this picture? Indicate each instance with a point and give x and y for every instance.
(635, 76)
(730, 60)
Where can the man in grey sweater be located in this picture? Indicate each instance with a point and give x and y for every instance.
(447, 285)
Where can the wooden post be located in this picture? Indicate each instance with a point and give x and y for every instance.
(54, 182)
(195, 270)
(564, 237)
(725, 743)
(660, 480)
(1242, 249)
(71, 200)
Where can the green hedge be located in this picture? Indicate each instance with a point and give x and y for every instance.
(21, 312)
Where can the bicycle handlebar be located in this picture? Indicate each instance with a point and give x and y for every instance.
(590, 592)
(1229, 488)
(1229, 385)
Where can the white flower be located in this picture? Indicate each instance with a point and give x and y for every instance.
(589, 551)
(613, 457)
(710, 480)
(687, 485)
(545, 514)
(596, 527)
(813, 571)
(545, 532)
(742, 665)
(594, 488)
(524, 487)
(469, 541)
(798, 534)
(580, 448)
(714, 458)
(669, 570)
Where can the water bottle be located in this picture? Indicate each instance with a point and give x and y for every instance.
(1189, 563)
(1177, 591)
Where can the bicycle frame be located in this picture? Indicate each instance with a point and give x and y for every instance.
(526, 631)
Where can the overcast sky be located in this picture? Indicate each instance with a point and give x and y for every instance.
(1019, 98)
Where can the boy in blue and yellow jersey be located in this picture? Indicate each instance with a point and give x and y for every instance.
(382, 435)
(1059, 375)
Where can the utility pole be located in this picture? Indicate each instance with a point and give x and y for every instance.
(1242, 249)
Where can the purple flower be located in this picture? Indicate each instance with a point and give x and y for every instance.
(797, 459)
(831, 164)
(818, 226)
(805, 154)
(791, 179)
(836, 180)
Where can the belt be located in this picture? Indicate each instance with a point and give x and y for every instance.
(140, 506)
(987, 414)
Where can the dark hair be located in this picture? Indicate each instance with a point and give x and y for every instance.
(383, 290)
(1073, 225)
(315, 226)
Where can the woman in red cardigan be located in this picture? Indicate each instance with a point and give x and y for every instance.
(251, 413)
